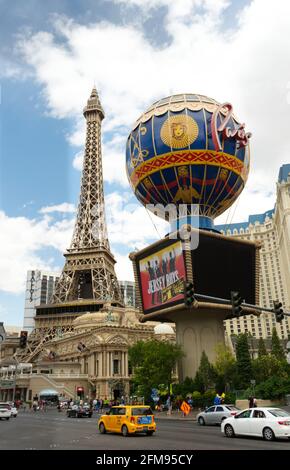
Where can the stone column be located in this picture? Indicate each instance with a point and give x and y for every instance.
(109, 364)
(122, 364)
(125, 364)
(100, 356)
(197, 331)
(105, 373)
(91, 364)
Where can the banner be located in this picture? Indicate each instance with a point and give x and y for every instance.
(162, 276)
(6, 384)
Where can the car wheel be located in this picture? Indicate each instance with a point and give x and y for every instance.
(7, 419)
(268, 434)
(149, 433)
(102, 428)
(229, 431)
(125, 431)
(201, 421)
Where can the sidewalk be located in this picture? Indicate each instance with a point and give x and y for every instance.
(176, 414)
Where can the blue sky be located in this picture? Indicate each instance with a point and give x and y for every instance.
(53, 52)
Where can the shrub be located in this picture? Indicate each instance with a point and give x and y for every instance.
(273, 388)
(208, 397)
(230, 398)
(197, 400)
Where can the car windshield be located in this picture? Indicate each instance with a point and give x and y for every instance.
(232, 407)
(277, 412)
(5, 405)
(141, 411)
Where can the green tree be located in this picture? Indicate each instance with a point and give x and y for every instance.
(262, 351)
(274, 387)
(265, 367)
(224, 365)
(184, 387)
(153, 362)
(277, 349)
(205, 375)
(244, 364)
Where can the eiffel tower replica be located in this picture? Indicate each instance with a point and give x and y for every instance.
(88, 280)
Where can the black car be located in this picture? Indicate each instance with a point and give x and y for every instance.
(79, 412)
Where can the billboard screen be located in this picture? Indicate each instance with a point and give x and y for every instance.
(221, 265)
(162, 276)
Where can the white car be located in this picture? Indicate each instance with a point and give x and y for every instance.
(5, 411)
(268, 423)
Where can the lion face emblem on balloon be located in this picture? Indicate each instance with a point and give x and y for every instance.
(178, 130)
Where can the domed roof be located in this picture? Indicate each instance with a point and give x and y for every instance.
(88, 320)
(163, 329)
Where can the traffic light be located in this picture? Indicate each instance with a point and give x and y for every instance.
(80, 391)
(189, 294)
(278, 311)
(23, 339)
(236, 301)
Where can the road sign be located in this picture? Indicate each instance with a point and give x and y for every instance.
(185, 408)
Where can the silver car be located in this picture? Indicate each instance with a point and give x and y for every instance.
(216, 414)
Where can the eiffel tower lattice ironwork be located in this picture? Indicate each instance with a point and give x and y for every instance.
(89, 271)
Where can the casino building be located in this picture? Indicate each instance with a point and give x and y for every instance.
(83, 321)
(272, 229)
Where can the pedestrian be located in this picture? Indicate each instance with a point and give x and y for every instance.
(254, 402)
(217, 400)
(169, 405)
(251, 402)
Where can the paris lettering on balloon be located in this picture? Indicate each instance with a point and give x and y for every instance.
(238, 133)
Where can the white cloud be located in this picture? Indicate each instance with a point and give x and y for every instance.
(130, 224)
(64, 207)
(78, 160)
(124, 268)
(246, 65)
(21, 240)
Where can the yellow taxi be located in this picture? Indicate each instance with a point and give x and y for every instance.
(127, 420)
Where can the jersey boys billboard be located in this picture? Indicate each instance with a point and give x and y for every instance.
(162, 276)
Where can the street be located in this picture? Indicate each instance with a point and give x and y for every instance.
(54, 431)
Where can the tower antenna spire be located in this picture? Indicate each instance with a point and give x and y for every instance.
(89, 271)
